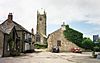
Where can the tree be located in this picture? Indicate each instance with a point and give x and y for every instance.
(87, 43)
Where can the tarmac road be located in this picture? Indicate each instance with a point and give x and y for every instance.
(47, 57)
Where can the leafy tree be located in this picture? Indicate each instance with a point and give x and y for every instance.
(87, 43)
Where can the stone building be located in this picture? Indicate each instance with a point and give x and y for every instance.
(29, 47)
(57, 39)
(1, 40)
(41, 27)
(9, 40)
(24, 35)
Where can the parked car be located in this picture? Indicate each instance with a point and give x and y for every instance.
(55, 49)
(76, 50)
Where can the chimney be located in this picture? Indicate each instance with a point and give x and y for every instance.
(10, 17)
(32, 31)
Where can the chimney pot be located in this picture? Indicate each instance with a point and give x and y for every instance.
(10, 17)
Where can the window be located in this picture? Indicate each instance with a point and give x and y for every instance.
(8, 48)
(14, 34)
(37, 38)
(58, 42)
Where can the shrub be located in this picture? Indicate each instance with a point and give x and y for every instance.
(87, 43)
(40, 46)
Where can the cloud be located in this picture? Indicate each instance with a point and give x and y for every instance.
(25, 11)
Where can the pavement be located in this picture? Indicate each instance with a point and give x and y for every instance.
(42, 56)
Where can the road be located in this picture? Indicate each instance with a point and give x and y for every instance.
(48, 57)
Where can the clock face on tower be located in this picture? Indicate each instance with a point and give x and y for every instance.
(40, 18)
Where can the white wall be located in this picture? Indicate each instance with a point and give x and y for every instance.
(27, 46)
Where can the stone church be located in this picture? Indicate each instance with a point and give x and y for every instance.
(57, 39)
(40, 36)
(54, 39)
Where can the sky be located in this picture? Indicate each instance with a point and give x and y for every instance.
(81, 15)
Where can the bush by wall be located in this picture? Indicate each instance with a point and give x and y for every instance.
(40, 46)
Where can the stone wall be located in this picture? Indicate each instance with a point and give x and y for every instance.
(33, 41)
(66, 45)
(1, 42)
(20, 35)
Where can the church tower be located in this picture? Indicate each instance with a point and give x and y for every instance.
(41, 27)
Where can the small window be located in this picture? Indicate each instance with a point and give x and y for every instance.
(58, 42)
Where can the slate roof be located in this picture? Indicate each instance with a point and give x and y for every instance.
(6, 27)
(1, 28)
(19, 27)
